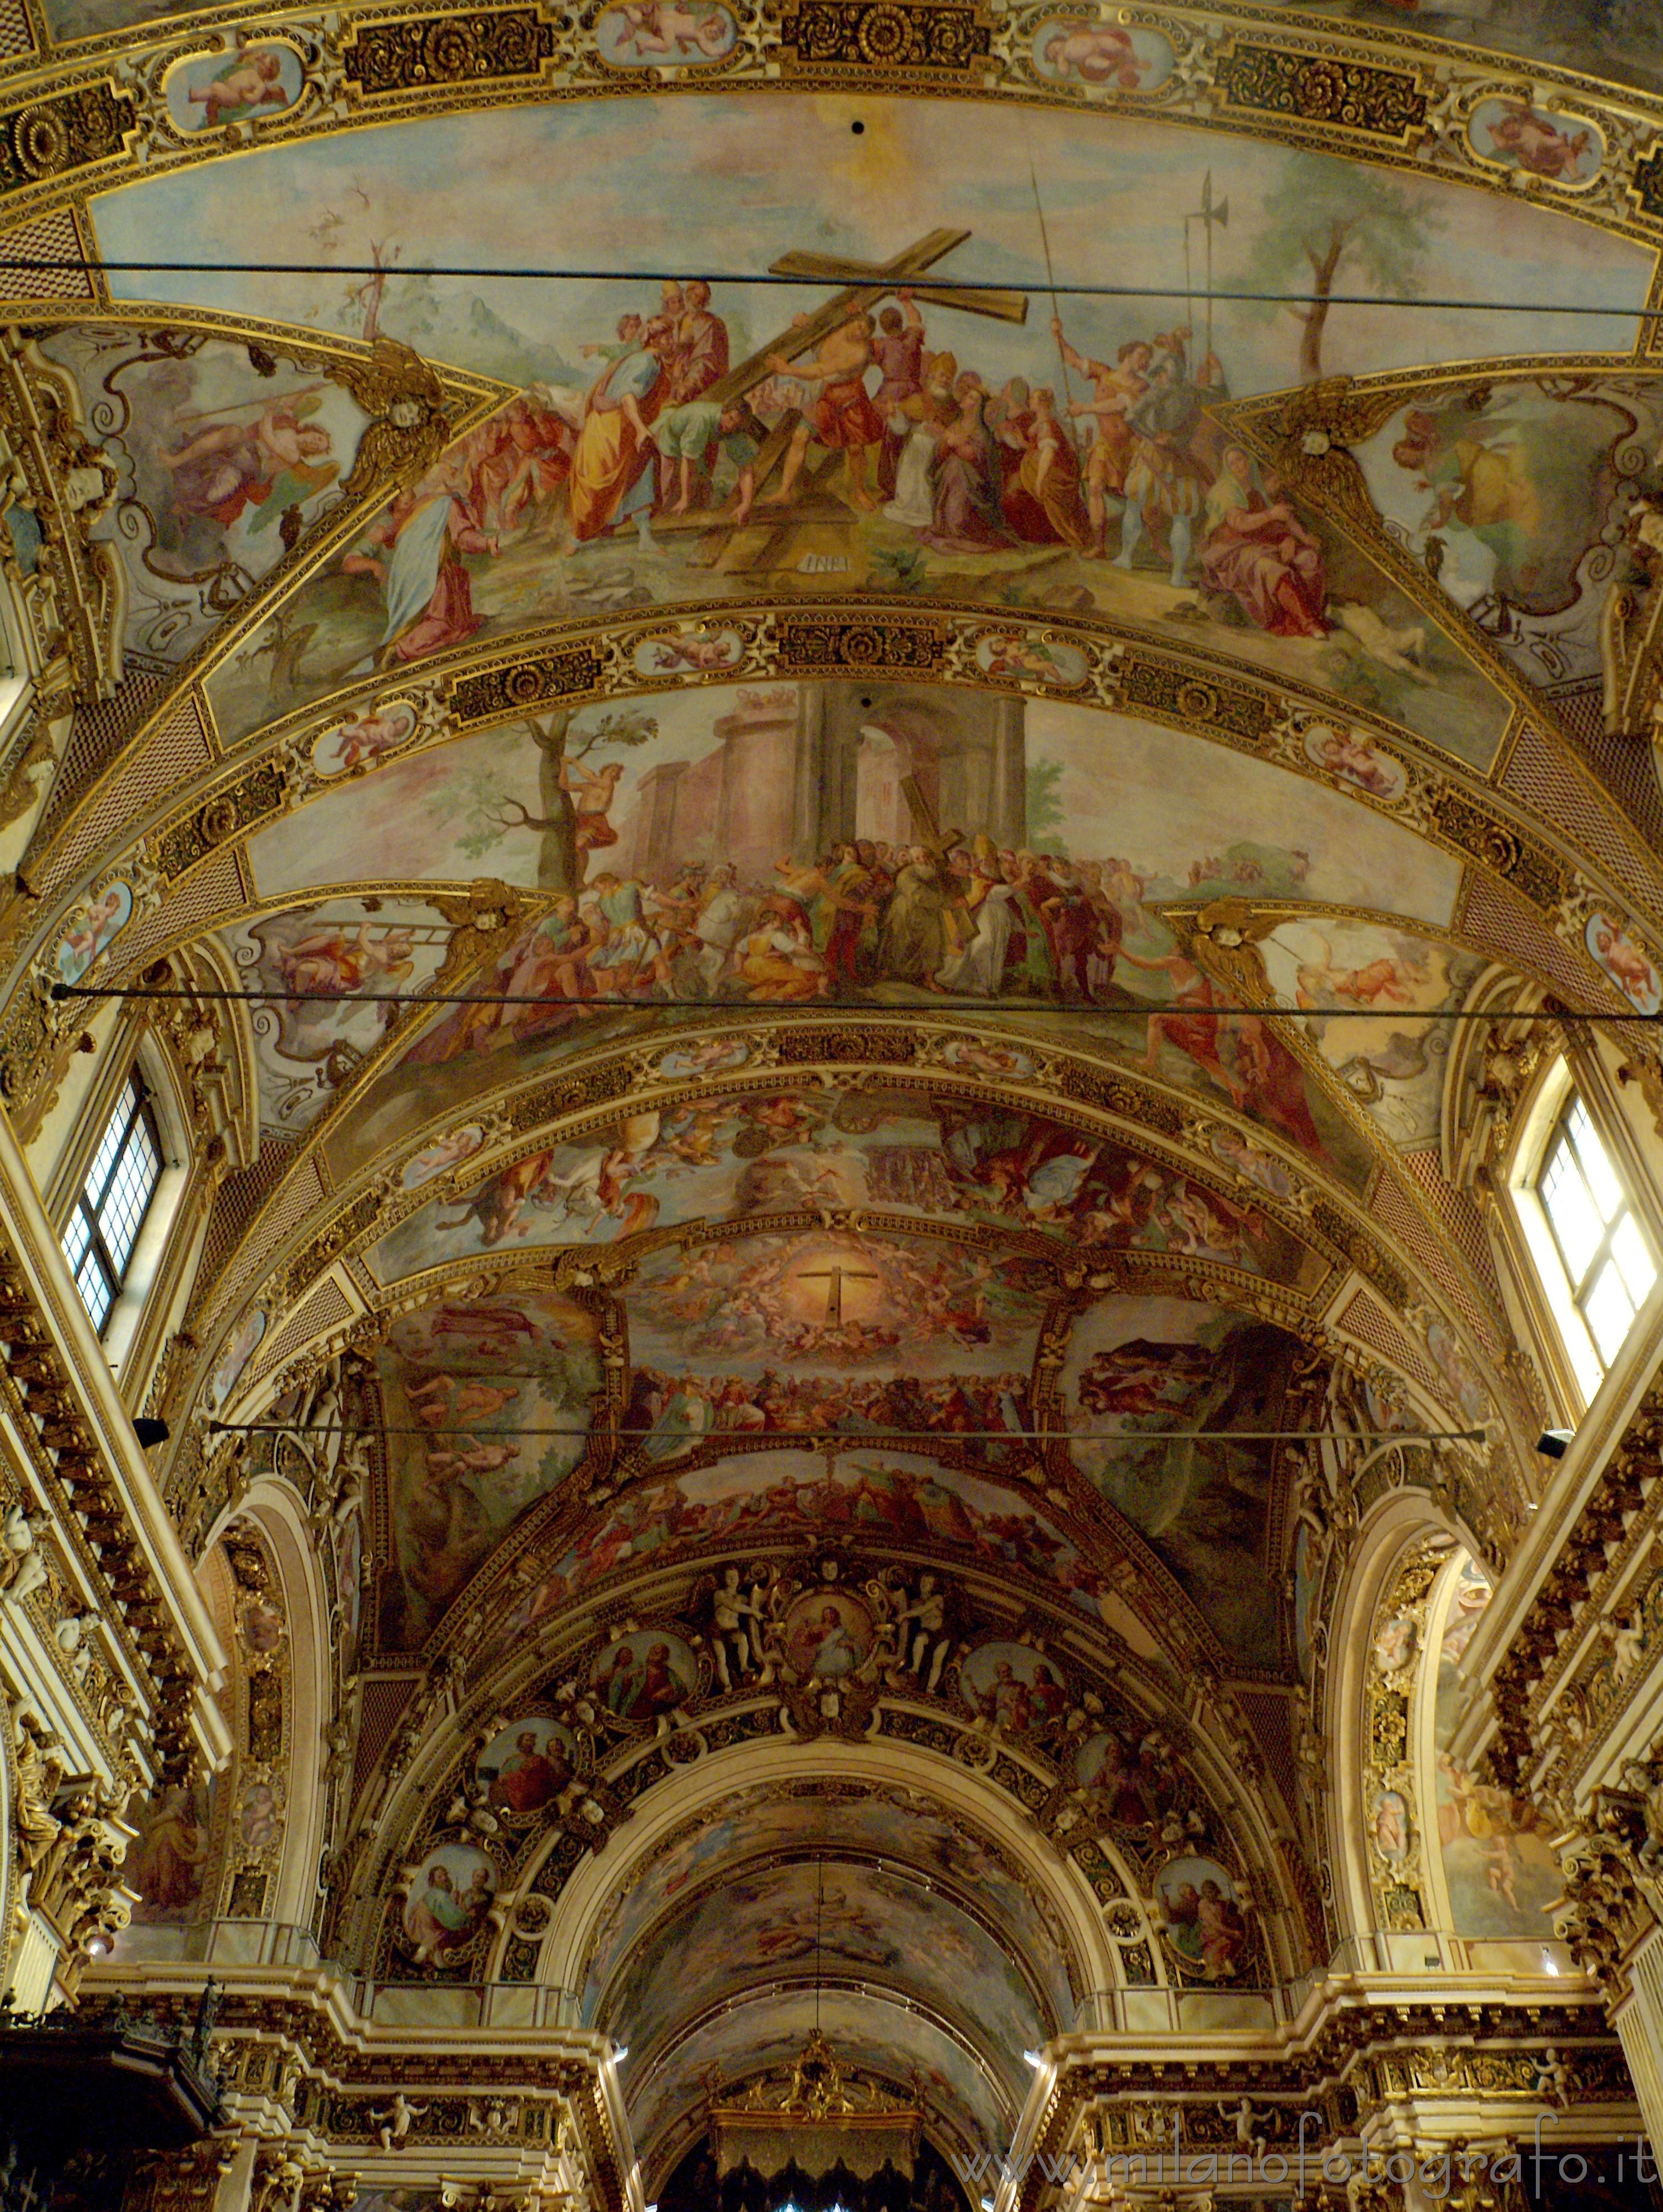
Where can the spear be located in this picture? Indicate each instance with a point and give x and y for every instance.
(1051, 280)
(1210, 212)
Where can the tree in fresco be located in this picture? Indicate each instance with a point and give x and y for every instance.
(1324, 217)
(388, 293)
(1042, 804)
(574, 795)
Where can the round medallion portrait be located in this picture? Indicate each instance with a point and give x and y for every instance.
(448, 1899)
(644, 1675)
(526, 1764)
(1017, 1688)
(1132, 1780)
(827, 1632)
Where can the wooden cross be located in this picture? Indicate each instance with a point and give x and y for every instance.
(862, 285)
(938, 843)
(834, 1277)
(926, 831)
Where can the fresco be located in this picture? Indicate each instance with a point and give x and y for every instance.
(1613, 38)
(447, 1901)
(1537, 142)
(875, 1820)
(1628, 966)
(645, 1675)
(1205, 1923)
(1353, 757)
(665, 444)
(827, 1634)
(665, 798)
(222, 468)
(332, 969)
(526, 1764)
(872, 1494)
(454, 1149)
(206, 92)
(167, 1865)
(244, 1343)
(364, 739)
(1499, 1866)
(982, 915)
(866, 2031)
(1070, 52)
(744, 1157)
(1136, 1365)
(469, 1380)
(1015, 1687)
(1131, 1782)
(1516, 497)
(835, 1331)
(685, 34)
(871, 1923)
(96, 923)
(1393, 1066)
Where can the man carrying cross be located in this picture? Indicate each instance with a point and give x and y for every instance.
(923, 922)
(834, 348)
(843, 417)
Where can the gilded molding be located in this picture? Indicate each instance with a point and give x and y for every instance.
(1308, 82)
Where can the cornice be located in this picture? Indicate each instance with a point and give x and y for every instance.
(1532, 1630)
(96, 113)
(91, 1470)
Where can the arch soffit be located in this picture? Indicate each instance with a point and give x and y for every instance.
(1403, 1526)
(274, 1514)
(1145, 1117)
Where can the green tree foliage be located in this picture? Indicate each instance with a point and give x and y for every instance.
(1042, 804)
(1328, 215)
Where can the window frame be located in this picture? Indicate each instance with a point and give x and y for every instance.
(135, 1107)
(1576, 1349)
(1562, 1136)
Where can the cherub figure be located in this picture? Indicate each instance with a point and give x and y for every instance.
(1096, 53)
(253, 80)
(674, 28)
(1249, 2131)
(393, 2122)
(1553, 2076)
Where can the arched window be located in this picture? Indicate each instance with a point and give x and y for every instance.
(1608, 1264)
(1595, 1258)
(115, 1197)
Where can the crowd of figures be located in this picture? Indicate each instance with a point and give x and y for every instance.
(1133, 471)
(871, 1497)
(666, 1413)
(968, 920)
(961, 919)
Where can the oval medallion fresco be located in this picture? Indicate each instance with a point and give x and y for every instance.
(644, 1675)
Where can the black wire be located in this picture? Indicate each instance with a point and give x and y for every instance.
(938, 280)
(855, 1439)
(842, 1007)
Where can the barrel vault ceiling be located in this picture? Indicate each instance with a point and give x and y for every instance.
(728, 1079)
